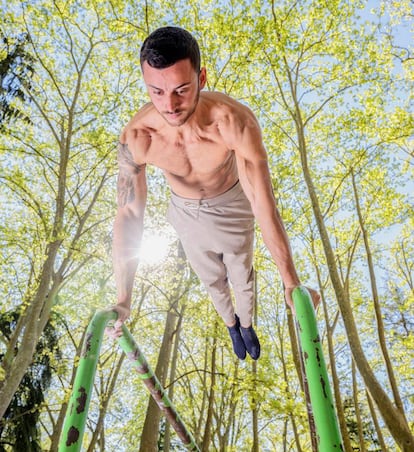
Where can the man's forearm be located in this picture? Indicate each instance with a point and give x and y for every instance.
(125, 270)
(125, 252)
(277, 242)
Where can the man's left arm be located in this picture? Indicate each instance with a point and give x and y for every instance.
(256, 181)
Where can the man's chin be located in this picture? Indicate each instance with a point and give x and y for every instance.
(175, 120)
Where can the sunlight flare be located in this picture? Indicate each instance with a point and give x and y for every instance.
(154, 248)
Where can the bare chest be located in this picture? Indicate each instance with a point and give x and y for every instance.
(188, 158)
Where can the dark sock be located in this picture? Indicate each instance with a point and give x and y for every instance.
(238, 343)
(251, 341)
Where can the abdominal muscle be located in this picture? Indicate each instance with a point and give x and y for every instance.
(204, 184)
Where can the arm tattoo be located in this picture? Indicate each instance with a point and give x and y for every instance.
(127, 169)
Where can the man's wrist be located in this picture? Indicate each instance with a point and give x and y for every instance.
(291, 284)
(124, 303)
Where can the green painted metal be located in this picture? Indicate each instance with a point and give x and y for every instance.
(311, 419)
(74, 425)
(148, 377)
(77, 413)
(326, 423)
(316, 376)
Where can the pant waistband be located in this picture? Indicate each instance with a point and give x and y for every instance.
(222, 199)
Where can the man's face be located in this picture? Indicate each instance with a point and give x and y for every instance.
(175, 90)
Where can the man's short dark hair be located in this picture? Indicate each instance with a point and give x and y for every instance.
(167, 45)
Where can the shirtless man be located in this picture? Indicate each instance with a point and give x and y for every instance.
(210, 149)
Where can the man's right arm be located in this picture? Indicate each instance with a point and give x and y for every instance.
(128, 229)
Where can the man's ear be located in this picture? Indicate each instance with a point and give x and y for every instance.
(202, 78)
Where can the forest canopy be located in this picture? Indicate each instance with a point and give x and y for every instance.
(331, 83)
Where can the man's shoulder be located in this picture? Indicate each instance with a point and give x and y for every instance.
(141, 123)
(235, 121)
(136, 135)
(231, 115)
(225, 107)
(142, 117)
(222, 100)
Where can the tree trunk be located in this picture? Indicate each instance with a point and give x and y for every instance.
(150, 431)
(230, 422)
(205, 447)
(255, 409)
(381, 441)
(360, 428)
(393, 418)
(14, 363)
(284, 434)
(172, 376)
(204, 402)
(335, 383)
(377, 307)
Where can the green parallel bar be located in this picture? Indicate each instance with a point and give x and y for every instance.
(76, 416)
(77, 412)
(148, 377)
(326, 423)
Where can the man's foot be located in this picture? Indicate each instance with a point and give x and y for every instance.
(238, 343)
(251, 341)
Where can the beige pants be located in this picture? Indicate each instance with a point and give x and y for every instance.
(217, 236)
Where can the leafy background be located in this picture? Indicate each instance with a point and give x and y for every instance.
(331, 84)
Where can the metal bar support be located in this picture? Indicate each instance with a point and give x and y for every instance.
(324, 415)
(76, 416)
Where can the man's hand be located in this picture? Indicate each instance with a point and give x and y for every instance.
(316, 298)
(123, 313)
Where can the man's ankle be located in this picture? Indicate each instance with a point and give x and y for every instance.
(251, 341)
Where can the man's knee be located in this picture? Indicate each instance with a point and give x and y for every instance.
(219, 285)
(242, 280)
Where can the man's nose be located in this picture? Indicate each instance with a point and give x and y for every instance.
(171, 102)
